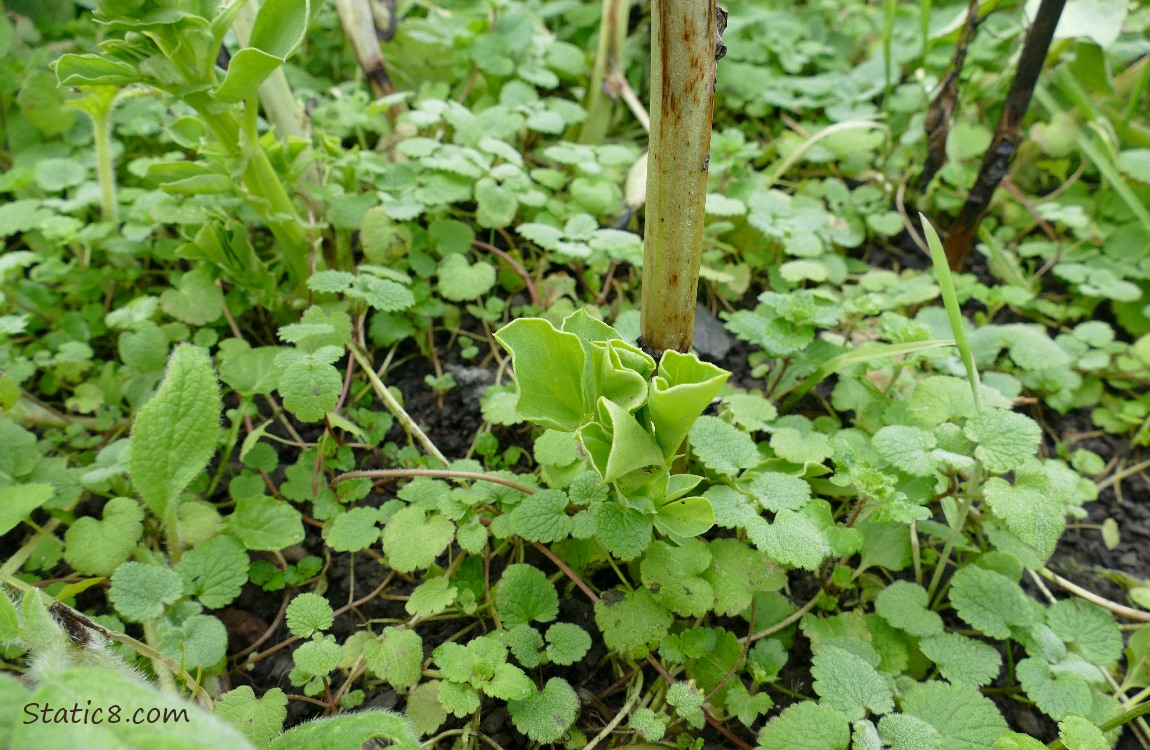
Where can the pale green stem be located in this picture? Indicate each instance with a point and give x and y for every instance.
(964, 506)
(164, 674)
(105, 172)
(608, 60)
(172, 529)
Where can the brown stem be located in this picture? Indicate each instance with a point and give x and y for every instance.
(515, 266)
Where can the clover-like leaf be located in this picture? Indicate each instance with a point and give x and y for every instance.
(904, 605)
(260, 719)
(95, 547)
(412, 539)
(460, 280)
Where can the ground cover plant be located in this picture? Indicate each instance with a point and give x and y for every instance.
(353, 395)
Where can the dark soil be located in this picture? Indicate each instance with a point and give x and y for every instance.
(451, 422)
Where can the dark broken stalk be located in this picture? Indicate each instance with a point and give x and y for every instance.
(686, 43)
(996, 162)
(942, 107)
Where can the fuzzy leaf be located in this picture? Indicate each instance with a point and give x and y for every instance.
(196, 301)
(548, 714)
(198, 642)
(989, 601)
(131, 696)
(374, 727)
(650, 725)
(907, 448)
(1079, 734)
(737, 572)
(460, 281)
(675, 575)
(904, 605)
(688, 702)
(542, 517)
(1058, 694)
(567, 643)
(525, 595)
(965, 718)
(264, 523)
(625, 532)
(431, 597)
(751, 411)
(395, 656)
(319, 656)
(806, 725)
(795, 440)
(139, 592)
(423, 708)
(905, 732)
(331, 282)
(793, 539)
(174, 434)
(848, 684)
(962, 659)
(310, 388)
(215, 572)
(1030, 508)
(384, 295)
(1005, 439)
(308, 614)
(776, 491)
(721, 447)
(1089, 629)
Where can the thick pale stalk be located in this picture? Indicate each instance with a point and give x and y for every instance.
(684, 41)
